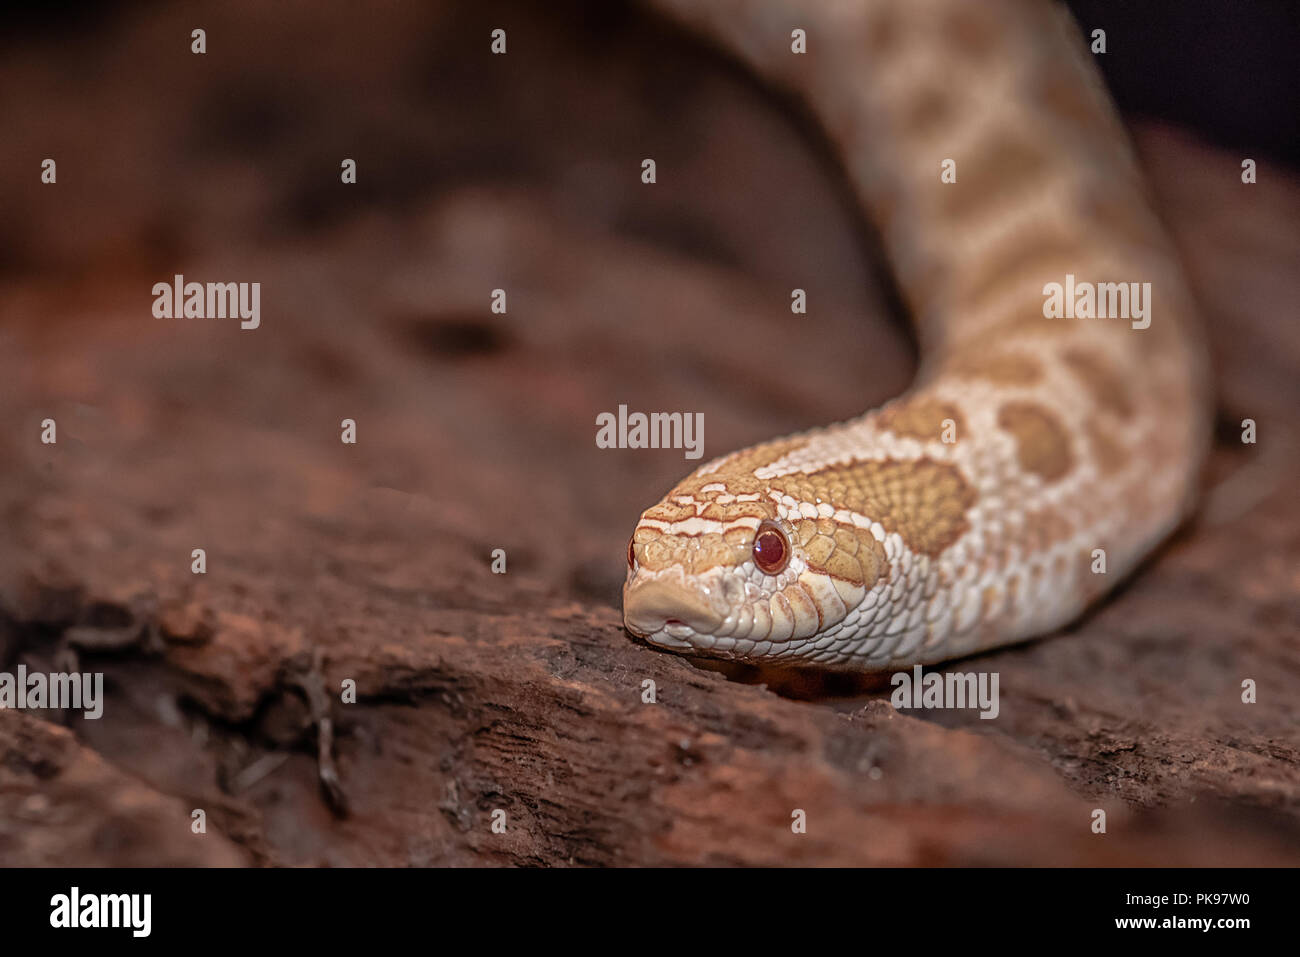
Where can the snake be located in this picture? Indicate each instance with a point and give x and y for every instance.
(1041, 453)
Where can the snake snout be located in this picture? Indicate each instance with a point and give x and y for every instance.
(653, 605)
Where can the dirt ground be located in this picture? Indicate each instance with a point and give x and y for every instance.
(521, 692)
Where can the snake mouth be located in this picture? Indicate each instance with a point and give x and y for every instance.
(667, 613)
(665, 640)
(673, 636)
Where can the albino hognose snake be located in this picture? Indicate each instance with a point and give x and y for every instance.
(971, 511)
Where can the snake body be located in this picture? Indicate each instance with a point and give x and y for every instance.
(1036, 460)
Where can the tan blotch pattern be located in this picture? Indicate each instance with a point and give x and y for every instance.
(1042, 445)
(1104, 383)
(1071, 434)
(921, 419)
(924, 502)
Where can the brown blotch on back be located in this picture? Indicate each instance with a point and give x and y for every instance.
(1101, 379)
(1109, 454)
(1065, 95)
(999, 368)
(1021, 265)
(1044, 528)
(1007, 163)
(924, 501)
(928, 110)
(1042, 446)
(1029, 323)
(920, 419)
(884, 32)
(970, 31)
(1118, 216)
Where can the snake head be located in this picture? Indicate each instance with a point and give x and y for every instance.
(701, 591)
(730, 566)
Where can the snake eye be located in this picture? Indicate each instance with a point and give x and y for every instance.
(631, 553)
(771, 550)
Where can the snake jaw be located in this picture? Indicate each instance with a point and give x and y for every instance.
(722, 612)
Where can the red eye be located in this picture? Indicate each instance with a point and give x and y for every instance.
(631, 553)
(771, 550)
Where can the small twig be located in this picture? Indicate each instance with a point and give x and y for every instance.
(313, 686)
(256, 771)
